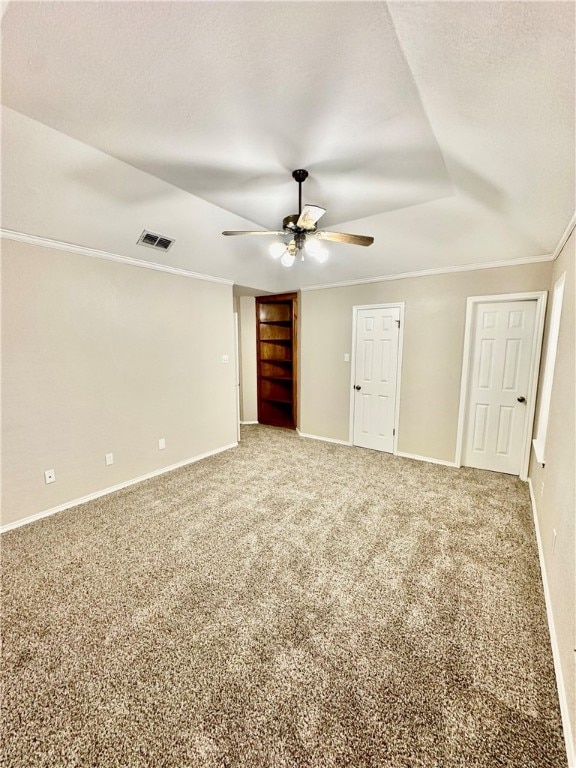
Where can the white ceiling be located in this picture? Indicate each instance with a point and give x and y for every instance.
(445, 130)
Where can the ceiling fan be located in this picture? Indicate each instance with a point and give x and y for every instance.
(301, 229)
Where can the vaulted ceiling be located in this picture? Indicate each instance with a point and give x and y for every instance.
(445, 130)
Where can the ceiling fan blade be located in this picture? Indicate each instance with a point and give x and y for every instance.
(341, 237)
(309, 216)
(255, 232)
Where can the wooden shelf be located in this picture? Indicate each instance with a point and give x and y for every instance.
(276, 322)
(273, 309)
(276, 359)
(275, 414)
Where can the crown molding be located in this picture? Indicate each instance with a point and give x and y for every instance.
(565, 235)
(438, 271)
(108, 256)
(46, 242)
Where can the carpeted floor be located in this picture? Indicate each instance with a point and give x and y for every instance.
(286, 603)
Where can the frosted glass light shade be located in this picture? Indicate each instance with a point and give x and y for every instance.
(312, 246)
(288, 259)
(276, 249)
(321, 256)
(317, 250)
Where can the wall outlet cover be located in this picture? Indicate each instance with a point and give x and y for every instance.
(50, 476)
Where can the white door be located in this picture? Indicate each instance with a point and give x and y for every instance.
(375, 377)
(497, 413)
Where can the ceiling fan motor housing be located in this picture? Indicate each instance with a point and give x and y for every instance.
(289, 222)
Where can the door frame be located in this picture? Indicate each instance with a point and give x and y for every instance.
(391, 305)
(540, 297)
(237, 373)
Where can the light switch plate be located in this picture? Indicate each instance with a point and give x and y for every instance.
(161, 443)
(109, 459)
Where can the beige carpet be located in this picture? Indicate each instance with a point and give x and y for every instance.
(286, 603)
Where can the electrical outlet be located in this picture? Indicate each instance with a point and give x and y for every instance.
(109, 459)
(225, 358)
(553, 540)
(50, 476)
(161, 443)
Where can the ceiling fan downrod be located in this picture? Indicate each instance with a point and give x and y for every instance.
(300, 175)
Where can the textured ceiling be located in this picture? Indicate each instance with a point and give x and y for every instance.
(445, 130)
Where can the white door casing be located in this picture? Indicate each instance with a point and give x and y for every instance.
(237, 373)
(375, 376)
(500, 390)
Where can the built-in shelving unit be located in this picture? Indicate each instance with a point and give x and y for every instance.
(276, 321)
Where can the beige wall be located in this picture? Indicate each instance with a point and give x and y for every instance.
(554, 484)
(248, 384)
(101, 357)
(432, 356)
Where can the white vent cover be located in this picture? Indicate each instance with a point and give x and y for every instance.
(152, 240)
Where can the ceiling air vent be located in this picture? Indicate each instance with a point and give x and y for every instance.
(155, 241)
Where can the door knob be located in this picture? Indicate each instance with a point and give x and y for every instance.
(357, 386)
(521, 399)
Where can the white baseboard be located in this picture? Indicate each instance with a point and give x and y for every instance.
(568, 739)
(428, 459)
(111, 489)
(324, 439)
(249, 422)
(398, 453)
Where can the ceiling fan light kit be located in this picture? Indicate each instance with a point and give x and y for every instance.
(277, 249)
(315, 249)
(301, 228)
(287, 259)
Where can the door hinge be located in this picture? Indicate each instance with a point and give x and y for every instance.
(393, 433)
(398, 323)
